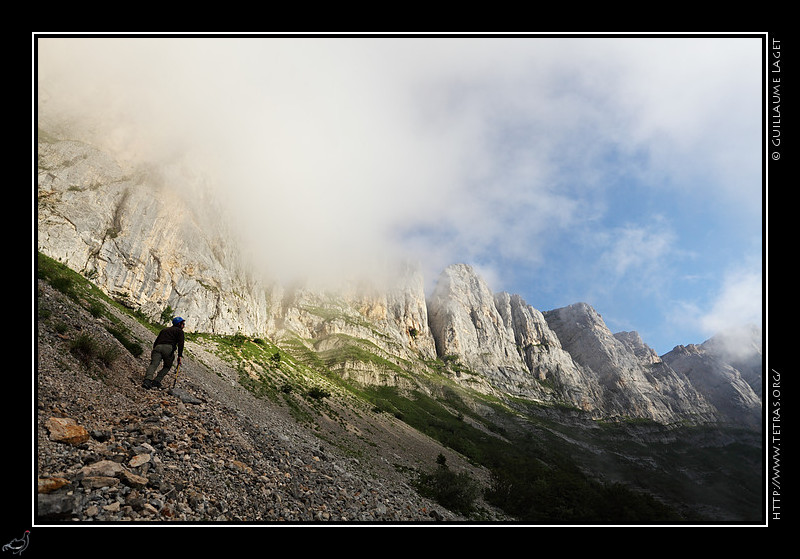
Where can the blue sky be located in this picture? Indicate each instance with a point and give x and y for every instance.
(625, 173)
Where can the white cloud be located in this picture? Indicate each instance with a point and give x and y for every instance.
(738, 302)
(639, 251)
(698, 107)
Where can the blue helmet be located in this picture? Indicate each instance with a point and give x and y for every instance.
(177, 320)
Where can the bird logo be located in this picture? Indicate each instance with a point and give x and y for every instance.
(18, 545)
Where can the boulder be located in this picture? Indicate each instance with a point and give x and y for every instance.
(66, 430)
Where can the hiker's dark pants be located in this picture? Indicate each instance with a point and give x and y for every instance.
(160, 352)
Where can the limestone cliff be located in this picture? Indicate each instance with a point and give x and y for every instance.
(566, 355)
(144, 244)
(634, 381)
(727, 370)
(465, 322)
(502, 337)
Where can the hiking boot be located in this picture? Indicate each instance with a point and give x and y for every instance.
(148, 384)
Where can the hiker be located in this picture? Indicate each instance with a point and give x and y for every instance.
(168, 341)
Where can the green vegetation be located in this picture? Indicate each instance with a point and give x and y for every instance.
(88, 351)
(536, 492)
(439, 419)
(86, 294)
(456, 491)
(271, 372)
(167, 314)
(532, 479)
(123, 335)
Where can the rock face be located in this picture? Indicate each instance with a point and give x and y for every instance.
(502, 337)
(144, 244)
(396, 309)
(152, 239)
(726, 369)
(365, 332)
(633, 380)
(566, 355)
(465, 322)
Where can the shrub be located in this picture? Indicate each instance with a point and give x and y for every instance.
(122, 336)
(63, 284)
(238, 339)
(96, 309)
(455, 491)
(318, 393)
(107, 355)
(86, 350)
(167, 314)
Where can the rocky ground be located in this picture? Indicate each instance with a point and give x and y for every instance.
(109, 451)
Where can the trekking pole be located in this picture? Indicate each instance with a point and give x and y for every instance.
(177, 370)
